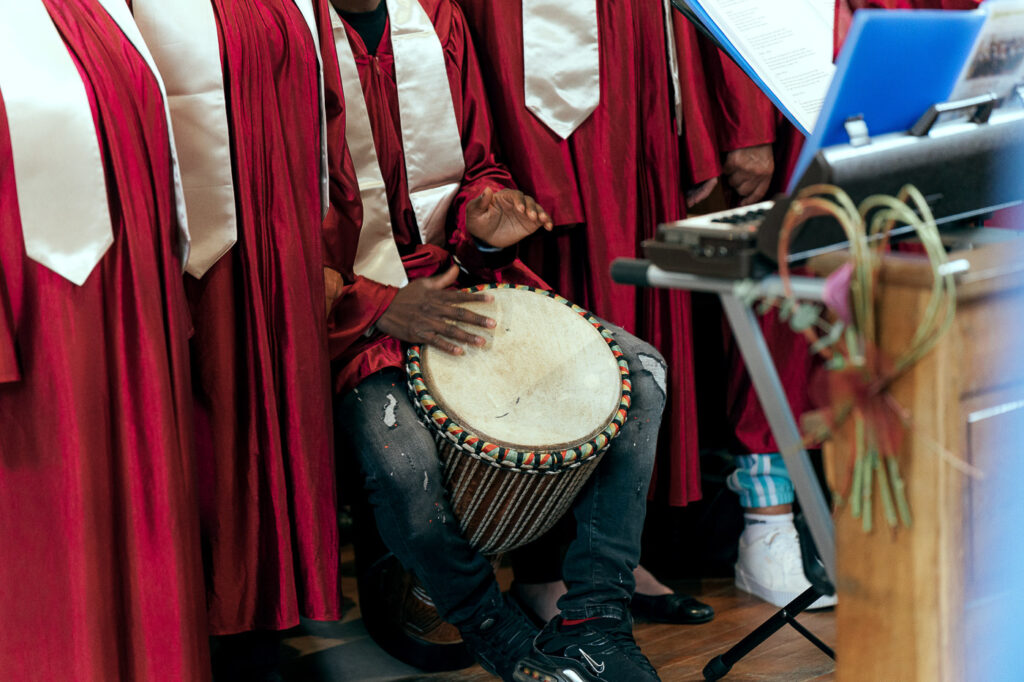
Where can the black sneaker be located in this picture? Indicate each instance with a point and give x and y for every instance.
(599, 650)
(501, 640)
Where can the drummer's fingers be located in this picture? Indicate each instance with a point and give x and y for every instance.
(457, 333)
(460, 314)
(434, 338)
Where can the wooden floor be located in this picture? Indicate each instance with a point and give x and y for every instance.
(344, 652)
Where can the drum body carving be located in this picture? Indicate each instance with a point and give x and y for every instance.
(521, 422)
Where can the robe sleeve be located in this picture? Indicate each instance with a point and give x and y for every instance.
(746, 117)
(699, 142)
(479, 145)
(361, 301)
(9, 368)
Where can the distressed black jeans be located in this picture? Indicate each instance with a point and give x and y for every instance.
(398, 456)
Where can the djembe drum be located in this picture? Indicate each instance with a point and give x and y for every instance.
(520, 424)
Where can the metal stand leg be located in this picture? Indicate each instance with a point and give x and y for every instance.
(772, 397)
(720, 666)
(773, 401)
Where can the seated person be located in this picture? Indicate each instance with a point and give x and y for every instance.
(431, 190)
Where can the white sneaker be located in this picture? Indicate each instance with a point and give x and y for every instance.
(770, 566)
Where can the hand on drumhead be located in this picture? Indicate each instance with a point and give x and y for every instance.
(426, 310)
(505, 218)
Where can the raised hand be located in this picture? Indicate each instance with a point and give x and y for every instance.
(505, 218)
(424, 311)
(749, 172)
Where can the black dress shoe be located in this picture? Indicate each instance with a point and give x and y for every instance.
(679, 609)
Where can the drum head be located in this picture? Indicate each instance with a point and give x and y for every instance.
(546, 380)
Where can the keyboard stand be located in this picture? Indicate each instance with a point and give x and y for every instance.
(770, 394)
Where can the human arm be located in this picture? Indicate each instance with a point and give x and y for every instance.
(487, 208)
(746, 127)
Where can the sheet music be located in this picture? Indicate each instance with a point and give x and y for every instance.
(786, 43)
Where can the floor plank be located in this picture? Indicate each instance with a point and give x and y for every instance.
(344, 652)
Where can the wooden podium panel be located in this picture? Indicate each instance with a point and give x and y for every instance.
(903, 594)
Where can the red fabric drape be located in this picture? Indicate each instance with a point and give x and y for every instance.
(744, 117)
(259, 352)
(607, 187)
(100, 571)
(701, 159)
(846, 8)
(363, 301)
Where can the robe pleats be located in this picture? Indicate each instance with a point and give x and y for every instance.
(100, 566)
(259, 352)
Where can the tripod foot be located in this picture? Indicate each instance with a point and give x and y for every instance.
(716, 669)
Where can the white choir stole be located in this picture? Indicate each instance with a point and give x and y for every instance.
(58, 168)
(562, 65)
(431, 140)
(184, 39)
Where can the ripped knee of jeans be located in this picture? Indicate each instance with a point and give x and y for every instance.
(656, 367)
(389, 417)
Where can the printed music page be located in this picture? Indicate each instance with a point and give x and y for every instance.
(787, 43)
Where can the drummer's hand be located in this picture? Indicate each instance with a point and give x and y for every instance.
(505, 218)
(424, 311)
(749, 172)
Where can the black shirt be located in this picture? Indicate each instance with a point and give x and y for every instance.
(369, 25)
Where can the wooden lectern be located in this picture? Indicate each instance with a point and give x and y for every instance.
(903, 594)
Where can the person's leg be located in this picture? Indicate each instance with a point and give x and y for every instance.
(769, 563)
(763, 484)
(405, 487)
(610, 511)
(537, 571)
(593, 637)
(404, 483)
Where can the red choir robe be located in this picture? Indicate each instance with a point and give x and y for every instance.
(607, 187)
(260, 367)
(362, 301)
(100, 571)
(846, 8)
(745, 117)
(699, 143)
(723, 110)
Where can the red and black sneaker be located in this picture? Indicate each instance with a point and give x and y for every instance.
(596, 650)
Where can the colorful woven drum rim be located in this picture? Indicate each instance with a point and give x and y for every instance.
(499, 455)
